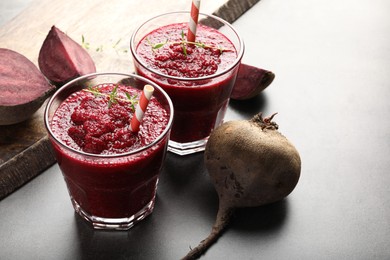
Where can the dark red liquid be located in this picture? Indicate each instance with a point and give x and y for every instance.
(109, 186)
(198, 104)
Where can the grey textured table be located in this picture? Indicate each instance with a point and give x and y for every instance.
(332, 92)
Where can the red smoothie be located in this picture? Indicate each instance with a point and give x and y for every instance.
(102, 180)
(199, 98)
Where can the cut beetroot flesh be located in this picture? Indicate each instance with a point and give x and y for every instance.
(62, 59)
(23, 88)
(250, 82)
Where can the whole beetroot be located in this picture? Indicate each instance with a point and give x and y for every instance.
(250, 164)
(23, 88)
(62, 59)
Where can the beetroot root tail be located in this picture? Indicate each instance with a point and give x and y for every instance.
(221, 222)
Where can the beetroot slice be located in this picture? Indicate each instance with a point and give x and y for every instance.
(250, 82)
(23, 88)
(61, 59)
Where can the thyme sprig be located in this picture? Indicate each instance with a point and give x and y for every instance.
(86, 45)
(113, 97)
(184, 44)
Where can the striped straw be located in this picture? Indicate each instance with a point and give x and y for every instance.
(141, 108)
(191, 33)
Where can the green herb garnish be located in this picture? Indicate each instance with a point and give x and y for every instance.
(184, 43)
(84, 44)
(132, 99)
(113, 97)
(101, 47)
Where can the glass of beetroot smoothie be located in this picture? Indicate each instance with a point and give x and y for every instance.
(111, 172)
(198, 76)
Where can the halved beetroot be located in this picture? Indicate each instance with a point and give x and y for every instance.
(250, 82)
(62, 59)
(23, 88)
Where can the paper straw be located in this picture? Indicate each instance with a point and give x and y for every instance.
(191, 33)
(141, 108)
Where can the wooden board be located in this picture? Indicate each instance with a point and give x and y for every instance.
(24, 148)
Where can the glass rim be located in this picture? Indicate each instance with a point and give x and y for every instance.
(133, 152)
(236, 62)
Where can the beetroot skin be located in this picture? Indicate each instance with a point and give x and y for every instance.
(23, 88)
(250, 82)
(61, 59)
